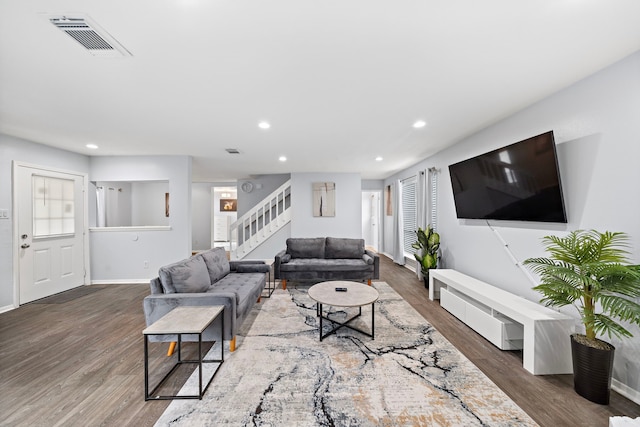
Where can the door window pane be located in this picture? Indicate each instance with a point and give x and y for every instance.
(53, 206)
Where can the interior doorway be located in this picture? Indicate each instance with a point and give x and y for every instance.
(371, 214)
(224, 206)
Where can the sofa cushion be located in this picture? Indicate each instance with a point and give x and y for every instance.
(246, 286)
(189, 275)
(217, 263)
(302, 247)
(318, 264)
(341, 248)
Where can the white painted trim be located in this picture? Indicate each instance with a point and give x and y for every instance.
(134, 228)
(625, 390)
(85, 229)
(7, 308)
(121, 282)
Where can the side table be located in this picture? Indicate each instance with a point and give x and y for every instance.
(180, 321)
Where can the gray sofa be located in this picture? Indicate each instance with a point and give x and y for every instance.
(321, 259)
(207, 278)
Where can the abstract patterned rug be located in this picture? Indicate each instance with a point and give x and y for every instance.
(282, 375)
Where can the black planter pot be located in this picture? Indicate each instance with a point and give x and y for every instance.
(592, 369)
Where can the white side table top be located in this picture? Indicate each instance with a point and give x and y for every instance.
(185, 320)
(357, 294)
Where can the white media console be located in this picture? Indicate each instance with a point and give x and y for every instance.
(508, 321)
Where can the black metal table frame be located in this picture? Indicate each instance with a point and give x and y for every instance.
(149, 395)
(345, 323)
(268, 288)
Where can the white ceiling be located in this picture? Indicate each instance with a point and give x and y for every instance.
(341, 82)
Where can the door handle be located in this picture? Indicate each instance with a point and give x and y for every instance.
(25, 246)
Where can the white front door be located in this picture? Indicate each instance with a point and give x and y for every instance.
(51, 226)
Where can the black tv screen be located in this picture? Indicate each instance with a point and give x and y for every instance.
(519, 182)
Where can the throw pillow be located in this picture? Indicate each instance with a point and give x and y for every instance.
(217, 263)
(189, 276)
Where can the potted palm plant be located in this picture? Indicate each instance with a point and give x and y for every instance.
(427, 247)
(589, 270)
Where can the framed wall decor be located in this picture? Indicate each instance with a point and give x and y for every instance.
(228, 205)
(387, 200)
(324, 199)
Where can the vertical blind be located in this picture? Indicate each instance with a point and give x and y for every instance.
(409, 212)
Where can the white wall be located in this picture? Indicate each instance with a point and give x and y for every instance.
(11, 149)
(348, 219)
(598, 142)
(136, 256)
(346, 223)
(148, 203)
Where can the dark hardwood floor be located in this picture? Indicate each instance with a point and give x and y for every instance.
(76, 359)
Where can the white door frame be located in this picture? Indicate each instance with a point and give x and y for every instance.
(380, 214)
(14, 200)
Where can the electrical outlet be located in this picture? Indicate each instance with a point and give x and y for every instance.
(146, 264)
(4, 214)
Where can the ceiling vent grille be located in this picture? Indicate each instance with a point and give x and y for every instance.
(93, 38)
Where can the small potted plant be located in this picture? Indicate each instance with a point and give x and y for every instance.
(427, 247)
(589, 270)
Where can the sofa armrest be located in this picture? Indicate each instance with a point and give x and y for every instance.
(280, 258)
(157, 305)
(376, 263)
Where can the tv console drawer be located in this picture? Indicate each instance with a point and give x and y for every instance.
(501, 331)
(453, 304)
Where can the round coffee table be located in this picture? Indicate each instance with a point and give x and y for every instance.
(356, 295)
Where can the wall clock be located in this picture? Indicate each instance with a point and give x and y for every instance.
(247, 187)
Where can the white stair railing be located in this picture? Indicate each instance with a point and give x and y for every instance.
(261, 222)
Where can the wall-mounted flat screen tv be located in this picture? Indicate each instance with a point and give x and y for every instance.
(519, 182)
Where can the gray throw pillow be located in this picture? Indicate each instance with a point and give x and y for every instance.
(217, 263)
(189, 276)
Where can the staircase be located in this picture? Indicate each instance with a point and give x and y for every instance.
(265, 219)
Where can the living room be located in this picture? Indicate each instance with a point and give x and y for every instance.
(596, 132)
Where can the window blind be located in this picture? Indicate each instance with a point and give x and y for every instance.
(409, 212)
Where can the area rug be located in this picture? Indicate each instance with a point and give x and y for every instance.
(282, 375)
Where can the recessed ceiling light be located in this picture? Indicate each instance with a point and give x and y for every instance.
(282, 158)
(419, 124)
(264, 125)
(92, 146)
(378, 159)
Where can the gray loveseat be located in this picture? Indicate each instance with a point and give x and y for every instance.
(330, 258)
(207, 278)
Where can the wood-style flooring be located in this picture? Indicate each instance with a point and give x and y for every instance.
(76, 359)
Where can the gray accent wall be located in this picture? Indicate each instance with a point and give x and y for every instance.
(597, 133)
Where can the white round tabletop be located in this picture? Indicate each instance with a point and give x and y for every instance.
(357, 294)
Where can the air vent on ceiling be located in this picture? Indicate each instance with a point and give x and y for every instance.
(93, 38)
(232, 151)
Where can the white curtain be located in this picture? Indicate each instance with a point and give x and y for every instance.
(421, 206)
(101, 214)
(398, 238)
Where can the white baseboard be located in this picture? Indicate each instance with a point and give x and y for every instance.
(625, 390)
(120, 282)
(6, 308)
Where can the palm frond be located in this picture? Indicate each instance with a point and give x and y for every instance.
(588, 267)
